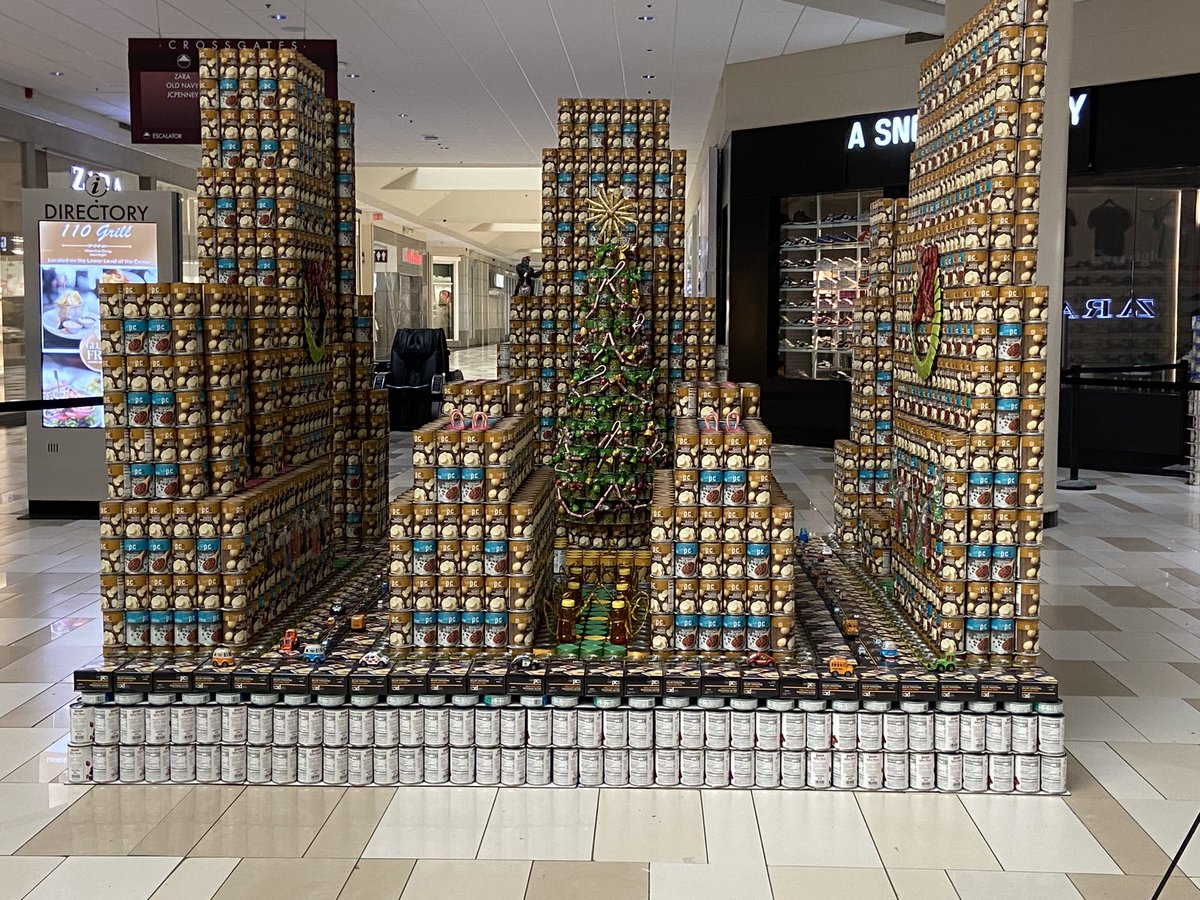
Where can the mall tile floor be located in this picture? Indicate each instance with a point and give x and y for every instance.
(1123, 634)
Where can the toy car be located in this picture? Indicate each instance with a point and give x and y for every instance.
(839, 665)
(374, 658)
(314, 653)
(337, 608)
(945, 663)
(288, 644)
(358, 622)
(222, 658)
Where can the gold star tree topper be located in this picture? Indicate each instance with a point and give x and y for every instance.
(610, 211)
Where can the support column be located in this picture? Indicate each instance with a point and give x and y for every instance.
(34, 167)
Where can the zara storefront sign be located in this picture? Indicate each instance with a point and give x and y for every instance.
(899, 128)
(1106, 308)
(95, 183)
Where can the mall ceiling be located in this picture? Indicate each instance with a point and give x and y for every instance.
(456, 82)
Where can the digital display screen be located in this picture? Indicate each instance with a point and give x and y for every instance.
(74, 258)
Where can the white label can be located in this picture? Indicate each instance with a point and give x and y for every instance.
(972, 732)
(1001, 777)
(335, 726)
(385, 764)
(335, 763)
(920, 732)
(845, 770)
(845, 730)
(947, 732)
(1027, 774)
(386, 726)
(666, 767)
(83, 725)
(183, 724)
(1024, 734)
(741, 768)
(512, 728)
(949, 772)
(133, 725)
(974, 773)
(131, 761)
(233, 763)
(691, 729)
(563, 728)
(462, 765)
(437, 726)
(792, 769)
(437, 764)
(309, 765)
(1050, 735)
(158, 763)
(410, 721)
(793, 727)
(616, 768)
(716, 729)
(309, 730)
(616, 729)
(360, 768)
(895, 731)
(589, 728)
(258, 764)
(1054, 774)
(641, 767)
(766, 729)
(716, 768)
(666, 728)
(283, 765)
(410, 765)
(208, 763)
(362, 727)
(818, 731)
(158, 725)
(766, 768)
(285, 725)
(462, 727)
(999, 733)
(487, 764)
(870, 769)
(591, 767)
(741, 729)
(260, 725)
(537, 766)
(818, 771)
(105, 763)
(870, 732)
(922, 773)
(233, 724)
(564, 766)
(208, 724)
(895, 771)
(183, 763)
(79, 763)
(537, 729)
(487, 730)
(691, 767)
(641, 731)
(512, 766)
(106, 721)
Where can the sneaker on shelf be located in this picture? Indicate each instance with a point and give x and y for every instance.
(824, 364)
(786, 263)
(802, 218)
(805, 241)
(842, 238)
(864, 236)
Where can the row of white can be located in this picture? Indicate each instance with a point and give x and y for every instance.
(567, 767)
(746, 725)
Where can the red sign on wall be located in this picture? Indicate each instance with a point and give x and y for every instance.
(413, 257)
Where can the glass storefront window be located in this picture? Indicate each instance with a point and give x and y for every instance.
(12, 276)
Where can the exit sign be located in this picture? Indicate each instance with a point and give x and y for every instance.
(413, 257)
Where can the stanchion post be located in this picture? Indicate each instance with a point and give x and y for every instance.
(1075, 483)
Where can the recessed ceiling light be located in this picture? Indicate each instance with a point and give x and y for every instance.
(278, 17)
(645, 18)
(352, 75)
(649, 49)
(57, 74)
(647, 77)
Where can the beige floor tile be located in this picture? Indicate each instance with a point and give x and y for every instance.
(351, 824)
(25, 809)
(1153, 679)
(684, 881)
(650, 826)
(922, 884)
(1132, 849)
(187, 823)
(924, 831)
(19, 745)
(1081, 782)
(1132, 887)
(1173, 769)
(105, 878)
(1114, 775)
(286, 879)
(559, 879)
(807, 882)
(1168, 821)
(1008, 822)
(541, 823)
(377, 879)
(994, 885)
(1146, 647)
(1128, 596)
(21, 874)
(109, 821)
(815, 828)
(270, 822)
(1078, 618)
(731, 827)
(196, 879)
(433, 822)
(1083, 677)
(468, 879)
